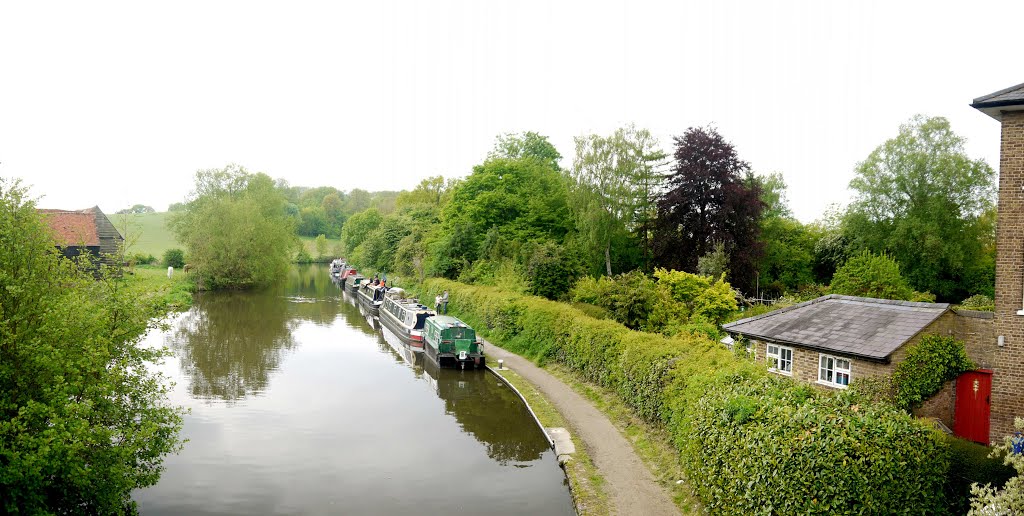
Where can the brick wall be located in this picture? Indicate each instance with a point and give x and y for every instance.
(1008, 370)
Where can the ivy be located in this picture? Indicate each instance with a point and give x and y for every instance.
(929, 364)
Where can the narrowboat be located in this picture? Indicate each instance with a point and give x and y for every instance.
(353, 282)
(371, 296)
(347, 271)
(337, 265)
(451, 340)
(405, 318)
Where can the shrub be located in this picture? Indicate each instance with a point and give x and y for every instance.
(1010, 498)
(979, 302)
(871, 275)
(930, 363)
(303, 256)
(971, 463)
(142, 258)
(174, 258)
(749, 442)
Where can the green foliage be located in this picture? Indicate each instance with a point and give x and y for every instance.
(83, 419)
(971, 463)
(930, 363)
(715, 262)
(236, 229)
(705, 297)
(527, 145)
(764, 445)
(613, 185)
(552, 270)
(303, 256)
(358, 228)
(141, 259)
(1009, 499)
(174, 258)
(921, 199)
(979, 302)
(321, 246)
(871, 275)
(749, 442)
(136, 209)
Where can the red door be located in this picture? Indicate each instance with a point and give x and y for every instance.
(973, 401)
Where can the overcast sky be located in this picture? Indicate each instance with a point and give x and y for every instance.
(120, 103)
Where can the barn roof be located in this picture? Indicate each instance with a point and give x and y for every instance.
(858, 326)
(73, 228)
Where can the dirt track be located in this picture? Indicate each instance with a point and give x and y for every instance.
(631, 487)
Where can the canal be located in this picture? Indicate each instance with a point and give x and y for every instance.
(300, 405)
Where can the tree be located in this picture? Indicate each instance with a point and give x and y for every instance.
(174, 258)
(83, 420)
(236, 229)
(612, 183)
(358, 227)
(788, 260)
(526, 145)
(921, 199)
(871, 275)
(321, 246)
(710, 199)
(137, 210)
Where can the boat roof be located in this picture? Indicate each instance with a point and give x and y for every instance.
(447, 321)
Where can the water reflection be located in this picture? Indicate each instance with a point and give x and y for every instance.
(488, 410)
(332, 420)
(482, 404)
(230, 342)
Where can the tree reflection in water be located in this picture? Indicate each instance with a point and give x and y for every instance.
(229, 342)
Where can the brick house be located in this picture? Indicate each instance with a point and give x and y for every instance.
(834, 340)
(84, 231)
(1007, 106)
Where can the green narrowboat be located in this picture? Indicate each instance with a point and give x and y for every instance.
(449, 340)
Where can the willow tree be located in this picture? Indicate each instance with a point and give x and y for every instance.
(236, 229)
(614, 186)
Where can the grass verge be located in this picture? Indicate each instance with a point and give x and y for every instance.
(586, 483)
(168, 294)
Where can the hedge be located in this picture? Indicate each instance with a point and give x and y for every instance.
(749, 442)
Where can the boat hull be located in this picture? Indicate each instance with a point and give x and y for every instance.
(401, 331)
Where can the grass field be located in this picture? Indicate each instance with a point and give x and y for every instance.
(146, 233)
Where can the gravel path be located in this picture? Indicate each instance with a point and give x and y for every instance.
(631, 486)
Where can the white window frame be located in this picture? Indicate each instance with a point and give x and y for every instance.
(775, 358)
(829, 370)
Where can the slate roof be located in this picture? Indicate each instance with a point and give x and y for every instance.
(855, 326)
(73, 228)
(993, 104)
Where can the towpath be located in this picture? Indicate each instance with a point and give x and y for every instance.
(631, 487)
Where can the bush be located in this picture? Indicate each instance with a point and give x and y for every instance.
(141, 258)
(303, 256)
(748, 441)
(174, 258)
(969, 464)
(1010, 498)
(930, 363)
(871, 275)
(979, 302)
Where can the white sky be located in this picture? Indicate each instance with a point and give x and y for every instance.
(120, 103)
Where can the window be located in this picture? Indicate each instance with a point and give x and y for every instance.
(834, 371)
(780, 359)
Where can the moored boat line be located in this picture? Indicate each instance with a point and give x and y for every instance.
(405, 317)
(446, 339)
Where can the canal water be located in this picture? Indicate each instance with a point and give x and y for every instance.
(300, 404)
